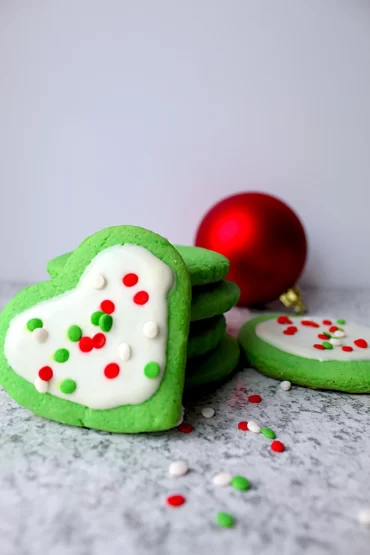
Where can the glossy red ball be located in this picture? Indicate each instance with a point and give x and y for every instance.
(263, 239)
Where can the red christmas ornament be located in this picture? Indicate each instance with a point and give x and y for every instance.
(265, 243)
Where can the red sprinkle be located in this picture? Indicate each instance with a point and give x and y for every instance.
(277, 446)
(326, 322)
(99, 340)
(309, 323)
(284, 320)
(323, 336)
(333, 329)
(111, 370)
(243, 425)
(290, 331)
(347, 348)
(319, 346)
(130, 280)
(175, 500)
(141, 297)
(185, 428)
(86, 344)
(361, 343)
(107, 307)
(45, 373)
(254, 398)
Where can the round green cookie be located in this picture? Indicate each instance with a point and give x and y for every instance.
(213, 299)
(300, 355)
(214, 367)
(204, 266)
(205, 335)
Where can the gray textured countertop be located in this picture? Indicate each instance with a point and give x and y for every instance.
(82, 492)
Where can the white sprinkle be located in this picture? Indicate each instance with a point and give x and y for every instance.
(151, 330)
(208, 412)
(364, 516)
(336, 342)
(339, 333)
(124, 351)
(222, 479)
(253, 427)
(41, 385)
(40, 335)
(285, 385)
(178, 468)
(98, 282)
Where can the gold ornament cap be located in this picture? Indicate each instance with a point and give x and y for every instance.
(293, 299)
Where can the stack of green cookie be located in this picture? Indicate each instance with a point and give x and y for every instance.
(212, 353)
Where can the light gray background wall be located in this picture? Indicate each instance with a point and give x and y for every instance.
(147, 112)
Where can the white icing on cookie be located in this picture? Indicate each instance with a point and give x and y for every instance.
(301, 343)
(74, 308)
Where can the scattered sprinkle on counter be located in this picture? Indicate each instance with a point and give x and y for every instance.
(178, 468)
(208, 412)
(267, 432)
(240, 483)
(185, 428)
(254, 427)
(225, 520)
(254, 398)
(223, 479)
(277, 446)
(175, 500)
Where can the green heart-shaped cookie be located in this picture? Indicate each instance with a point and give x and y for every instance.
(103, 345)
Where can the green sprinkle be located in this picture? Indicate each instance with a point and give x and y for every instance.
(61, 355)
(95, 317)
(105, 322)
(326, 333)
(327, 345)
(68, 386)
(341, 322)
(224, 520)
(239, 482)
(151, 370)
(74, 333)
(34, 323)
(268, 433)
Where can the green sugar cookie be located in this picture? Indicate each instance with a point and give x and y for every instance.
(295, 348)
(205, 335)
(213, 299)
(214, 367)
(125, 374)
(204, 266)
(56, 265)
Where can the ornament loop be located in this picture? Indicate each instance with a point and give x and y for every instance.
(293, 299)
